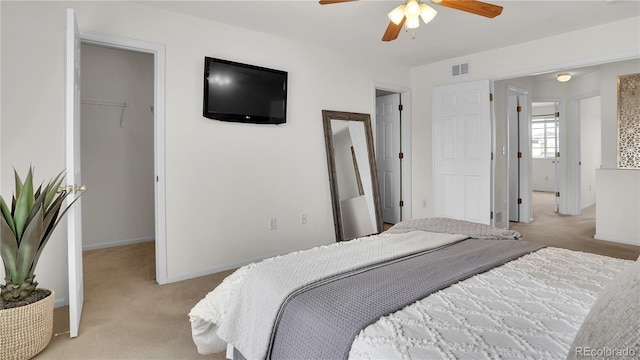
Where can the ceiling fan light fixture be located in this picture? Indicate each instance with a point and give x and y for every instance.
(412, 9)
(427, 13)
(412, 22)
(396, 15)
(563, 77)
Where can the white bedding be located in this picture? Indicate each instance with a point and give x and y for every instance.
(529, 308)
(242, 310)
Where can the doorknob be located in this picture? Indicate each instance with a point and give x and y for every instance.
(73, 188)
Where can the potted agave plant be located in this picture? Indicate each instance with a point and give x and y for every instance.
(26, 312)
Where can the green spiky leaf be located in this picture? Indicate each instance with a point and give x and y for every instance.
(24, 204)
(29, 247)
(52, 189)
(8, 250)
(6, 215)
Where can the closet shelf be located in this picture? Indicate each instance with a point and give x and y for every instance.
(99, 102)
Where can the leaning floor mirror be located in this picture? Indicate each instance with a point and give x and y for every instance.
(353, 176)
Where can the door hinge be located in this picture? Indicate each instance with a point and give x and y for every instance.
(519, 108)
(401, 155)
(491, 215)
(491, 156)
(558, 114)
(519, 201)
(519, 155)
(401, 203)
(558, 154)
(400, 107)
(557, 193)
(490, 97)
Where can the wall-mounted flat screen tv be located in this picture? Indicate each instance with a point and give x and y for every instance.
(244, 93)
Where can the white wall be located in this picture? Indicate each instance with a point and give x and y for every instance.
(618, 205)
(618, 191)
(117, 147)
(223, 180)
(590, 153)
(589, 46)
(543, 175)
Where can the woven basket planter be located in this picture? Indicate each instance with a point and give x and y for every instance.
(26, 330)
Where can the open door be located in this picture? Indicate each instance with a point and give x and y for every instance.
(556, 156)
(462, 151)
(388, 156)
(72, 164)
(519, 154)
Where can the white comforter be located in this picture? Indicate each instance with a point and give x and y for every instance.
(529, 308)
(242, 310)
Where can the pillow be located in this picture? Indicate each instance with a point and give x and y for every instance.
(612, 327)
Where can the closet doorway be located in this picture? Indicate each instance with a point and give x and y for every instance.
(155, 107)
(75, 38)
(117, 146)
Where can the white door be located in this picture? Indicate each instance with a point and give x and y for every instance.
(557, 158)
(515, 155)
(72, 152)
(388, 156)
(462, 151)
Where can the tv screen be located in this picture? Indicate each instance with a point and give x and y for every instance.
(244, 93)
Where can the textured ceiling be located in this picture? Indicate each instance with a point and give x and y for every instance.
(358, 26)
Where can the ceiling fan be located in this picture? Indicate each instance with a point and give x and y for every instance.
(409, 13)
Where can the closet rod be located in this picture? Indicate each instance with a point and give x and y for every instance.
(120, 104)
(105, 102)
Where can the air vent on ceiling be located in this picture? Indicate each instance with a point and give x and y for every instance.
(460, 69)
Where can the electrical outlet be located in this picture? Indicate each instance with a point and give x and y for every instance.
(272, 224)
(424, 203)
(303, 219)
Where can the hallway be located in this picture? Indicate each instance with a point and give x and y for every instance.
(570, 232)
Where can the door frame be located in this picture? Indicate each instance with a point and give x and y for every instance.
(158, 52)
(523, 171)
(561, 172)
(575, 151)
(405, 142)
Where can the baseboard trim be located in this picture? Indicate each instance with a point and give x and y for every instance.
(218, 269)
(116, 243)
(60, 302)
(617, 240)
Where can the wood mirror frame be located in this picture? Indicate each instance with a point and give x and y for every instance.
(351, 206)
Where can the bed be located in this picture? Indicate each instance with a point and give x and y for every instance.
(429, 288)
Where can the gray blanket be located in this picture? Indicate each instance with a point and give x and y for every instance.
(320, 322)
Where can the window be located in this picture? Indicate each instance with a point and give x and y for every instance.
(544, 137)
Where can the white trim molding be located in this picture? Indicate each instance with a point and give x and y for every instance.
(158, 52)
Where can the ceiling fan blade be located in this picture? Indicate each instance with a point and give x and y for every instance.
(328, 2)
(393, 30)
(472, 6)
